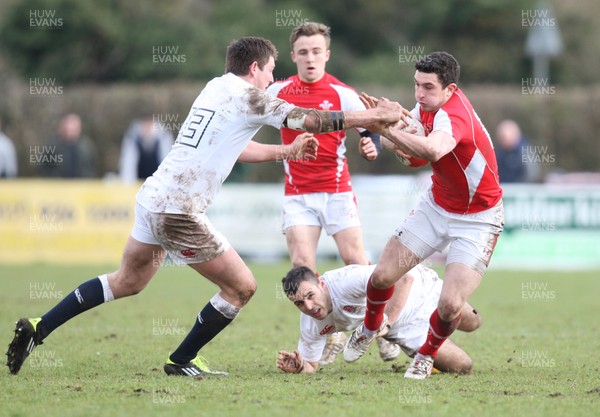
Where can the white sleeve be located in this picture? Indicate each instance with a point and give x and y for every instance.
(311, 343)
(265, 109)
(442, 122)
(349, 100)
(416, 114)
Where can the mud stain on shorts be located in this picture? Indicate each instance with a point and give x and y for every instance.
(190, 238)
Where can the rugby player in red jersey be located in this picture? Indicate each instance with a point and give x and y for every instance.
(461, 211)
(318, 193)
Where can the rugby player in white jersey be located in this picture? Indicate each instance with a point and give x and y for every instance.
(170, 210)
(336, 301)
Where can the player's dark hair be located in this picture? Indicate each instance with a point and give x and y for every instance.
(241, 53)
(443, 64)
(310, 29)
(291, 282)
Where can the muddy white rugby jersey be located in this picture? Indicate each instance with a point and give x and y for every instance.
(222, 121)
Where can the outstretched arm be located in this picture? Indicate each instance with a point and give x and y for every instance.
(319, 121)
(304, 147)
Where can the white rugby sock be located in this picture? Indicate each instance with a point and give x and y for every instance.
(224, 307)
(108, 294)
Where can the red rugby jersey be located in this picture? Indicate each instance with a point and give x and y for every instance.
(329, 172)
(466, 179)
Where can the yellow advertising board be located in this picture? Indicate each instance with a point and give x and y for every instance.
(87, 222)
(65, 221)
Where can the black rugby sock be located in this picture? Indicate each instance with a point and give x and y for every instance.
(86, 296)
(208, 324)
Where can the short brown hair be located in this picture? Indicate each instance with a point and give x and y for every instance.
(310, 29)
(443, 64)
(241, 53)
(291, 282)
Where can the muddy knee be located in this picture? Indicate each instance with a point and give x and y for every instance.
(241, 293)
(245, 294)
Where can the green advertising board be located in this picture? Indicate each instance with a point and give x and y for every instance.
(550, 226)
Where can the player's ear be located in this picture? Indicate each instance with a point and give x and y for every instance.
(451, 88)
(253, 67)
(293, 56)
(327, 55)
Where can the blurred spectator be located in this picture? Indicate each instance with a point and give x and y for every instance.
(76, 151)
(8, 157)
(510, 150)
(144, 146)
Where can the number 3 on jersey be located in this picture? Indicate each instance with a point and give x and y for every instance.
(195, 126)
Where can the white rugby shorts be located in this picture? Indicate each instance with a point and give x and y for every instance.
(188, 239)
(470, 238)
(410, 334)
(333, 212)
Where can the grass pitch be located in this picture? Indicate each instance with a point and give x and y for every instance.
(535, 355)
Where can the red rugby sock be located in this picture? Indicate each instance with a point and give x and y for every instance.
(376, 301)
(439, 331)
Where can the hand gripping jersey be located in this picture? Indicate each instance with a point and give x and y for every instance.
(223, 119)
(329, 172)
(465, 180)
